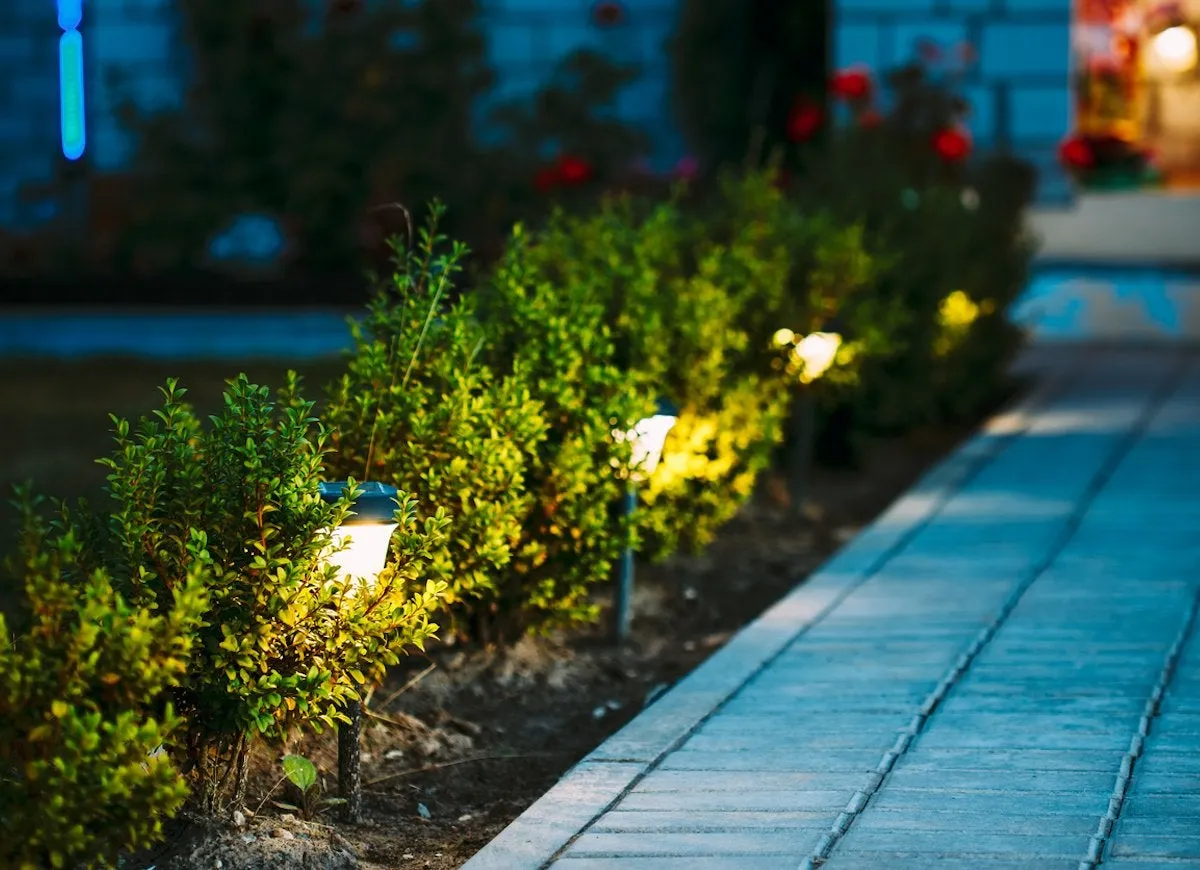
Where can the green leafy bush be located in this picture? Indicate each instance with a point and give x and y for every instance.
(81, 715)
(237, 504)
(673, 305)
(557, 334)
(420, 408)
(687, 297)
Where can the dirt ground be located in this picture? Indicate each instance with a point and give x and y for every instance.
(459, 741)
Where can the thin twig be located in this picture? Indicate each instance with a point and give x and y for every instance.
(387, 702)
(268, 796)
(414, 724)
(428, 767)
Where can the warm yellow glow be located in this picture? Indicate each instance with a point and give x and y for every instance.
(955, 315)
(784, 337)
(1174, 49)
(817, 351)
(365, 553)
(647, 439)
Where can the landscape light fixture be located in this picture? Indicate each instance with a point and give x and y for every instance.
(815, 353)
(359, 551)
(647, 440)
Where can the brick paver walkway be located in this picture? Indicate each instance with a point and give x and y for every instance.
(1002, 672)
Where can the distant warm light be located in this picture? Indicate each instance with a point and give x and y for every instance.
(71, 95)
(817, 351)
(784, 337)
(1175, 49)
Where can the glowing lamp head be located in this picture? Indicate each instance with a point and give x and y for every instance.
(360, 544)
(816, 351)
(1174, 50)
(648, 438)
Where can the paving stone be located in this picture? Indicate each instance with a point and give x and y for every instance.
(965, 843)
(1011, 803)
(933, 779)
(775, 759)
(1080, 824)
(733, 801)
(1012, 759)
(753, 741)
(789, 843)
(1163, 805)
(925, 861)
(1157, 826)
(949, 718)
(1013, 738)
(1150, 846)
(769, 780)
(1153, 781)
(701, 821)
(691, 862)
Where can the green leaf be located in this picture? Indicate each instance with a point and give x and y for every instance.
(301, 772)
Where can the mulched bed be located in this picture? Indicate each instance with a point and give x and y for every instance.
(461, 741)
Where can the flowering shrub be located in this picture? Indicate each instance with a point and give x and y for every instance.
(1107, 161)
(939, 224)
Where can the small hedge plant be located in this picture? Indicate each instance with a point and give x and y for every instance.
(419, 407)
(82, 716)
(284, 642)
(557, 335)
(672, 301)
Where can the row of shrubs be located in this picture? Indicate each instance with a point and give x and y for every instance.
(194, 612)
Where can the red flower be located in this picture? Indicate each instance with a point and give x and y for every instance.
(608, 14)
(546, 178)
(869, 119)
(851, 84)
(1076, 153)
(573, 170)
(952, 144)
(804, 121)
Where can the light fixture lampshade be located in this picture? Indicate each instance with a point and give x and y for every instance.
(817, 352)
(360, 543)
(648, 437)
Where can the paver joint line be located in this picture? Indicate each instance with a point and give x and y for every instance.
(1103, 838)
(1115, 456)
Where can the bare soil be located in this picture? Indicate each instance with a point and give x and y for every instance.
(458, 742)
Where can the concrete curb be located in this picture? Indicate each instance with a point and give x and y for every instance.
(602, 778)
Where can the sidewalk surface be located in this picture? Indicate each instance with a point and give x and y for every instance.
(1001, 672)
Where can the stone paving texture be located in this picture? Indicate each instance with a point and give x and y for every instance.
(1001, 672)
